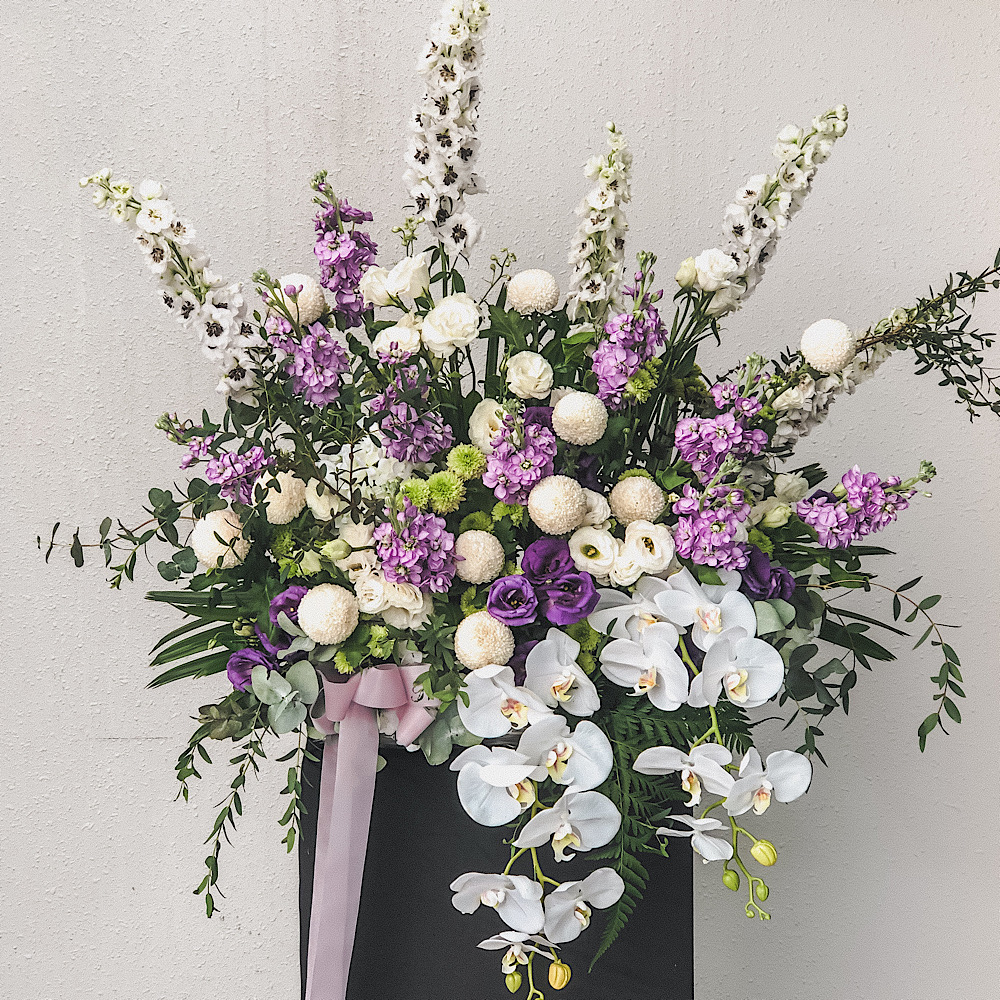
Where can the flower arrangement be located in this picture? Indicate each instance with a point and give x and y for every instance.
(583, 561)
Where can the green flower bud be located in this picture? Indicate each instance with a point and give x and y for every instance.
(764, 852)
(761, 891)
(336, 550)
(466, 461)
(687, 273)
(731, 879)
(446, 492)
(777, 517)
(341, 664)
(243, 627)
(310, 563)
(513, 981)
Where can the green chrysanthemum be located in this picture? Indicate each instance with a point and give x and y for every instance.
(417, 491)
(341, 664)
(466, 461)
(446, 491)
(478, 520)
(282, 542)
(512, 510)
(630, 473)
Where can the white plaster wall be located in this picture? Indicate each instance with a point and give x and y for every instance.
(886, 882)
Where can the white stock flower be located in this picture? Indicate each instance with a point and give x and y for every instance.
(593, 551)
(497, 705)
(702, 767)
(649, 546)
(715, 269)
(649, 666)
(582, 758)
(218, 540)
(580, 821)
(708, 610)
(786, 776)
(796, 397)
(554, 675)
(494, 784)
(451, 324)
(151, 190)
(485, 423)
(155, 215)
(568, 907)
(710, 848)
(516, 898)
(409, 279)
(749, 670)
(529, 375)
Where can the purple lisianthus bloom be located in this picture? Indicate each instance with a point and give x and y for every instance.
(547, 561)
(570, 599)
(761, 580)
(538, 416)
(287, 601)
(512, 600)
(517, 662)
(241, 665)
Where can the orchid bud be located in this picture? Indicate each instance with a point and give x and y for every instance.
(513, 981)
(731, 879)
(687, 274)
(559, 973)
(764, 853)
(761, 891)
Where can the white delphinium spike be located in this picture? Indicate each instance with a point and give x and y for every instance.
(755, 220)
(598, 250)
(200, 300)
(443, 149)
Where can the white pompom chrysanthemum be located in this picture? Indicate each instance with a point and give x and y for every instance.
(480, 556)
(580, 418)
(531, 291)
(310, 301)
(557, 505)
(637, 499)
(232, 549)
(480, 640)
(328, 614)
(286, 496)
(828, 345)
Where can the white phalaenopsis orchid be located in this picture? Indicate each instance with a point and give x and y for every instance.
(710, 848)
(516, 898)
(649, 666)
(628, 614)
(749, 670)
(497, 704)
(493, 784)
(517, 945)
(702, 767)
(579, 820)
(554, 675)
(785, 776)
(568, 908)
(709, 610)
(582, 758)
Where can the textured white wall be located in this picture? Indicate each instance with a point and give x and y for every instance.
(886, 882)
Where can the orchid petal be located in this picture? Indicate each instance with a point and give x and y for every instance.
(790, 774)
(487, 804)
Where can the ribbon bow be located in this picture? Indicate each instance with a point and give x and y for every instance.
(346, 792)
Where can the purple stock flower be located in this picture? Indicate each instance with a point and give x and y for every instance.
(241, 665)
(570, 599)
(711, 531)
(421, 552)
(287, 601)
(197, 450)
(343, 257)
(761, 580)
(238, 473)
(512, 600)
(316, 365)
(407, 435)
(512, 470)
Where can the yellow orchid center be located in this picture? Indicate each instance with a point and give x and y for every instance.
(691, 784)
(646, 681)
(762, 798)
(562, 687)
(523, 793)
(556, 761)
(564, 837)
(516, 712)
(582, 913)
(710, 618)
(644, 619)
(513, 957)
(736, 685)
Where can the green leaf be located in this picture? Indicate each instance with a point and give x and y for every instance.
(201, 667)
(773, 615)
(304, 680)
(952, 709)
(76, 549)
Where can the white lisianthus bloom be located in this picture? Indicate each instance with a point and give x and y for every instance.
(554, 675)
(323, 505)
(594, 551)
(785, 777)
(708, 610)
(451, 324)
(516, 898)
(494, 784)
(649, 666)
(370, 589)
(529, 375)
(403, 338)
(770, 512)
(408, 607)
(497, 705)
(582, 758)
(625, 570)
(579, 820)
(218, 541)
(598, 509)
(715, 269)
(409, 278)
(568, 907)
(155, 215)
(749, 671)
(372, 286)
(702, 767)
(790, 487)
(710, 848)
(796, 397)
(650, 546)
(485, 423)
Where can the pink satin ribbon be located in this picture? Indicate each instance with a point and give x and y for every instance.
(346, 791)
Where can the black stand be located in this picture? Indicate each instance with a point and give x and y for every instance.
(412, 943)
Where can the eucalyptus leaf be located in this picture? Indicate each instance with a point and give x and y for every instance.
(287, 625)
(304, 680)
(289, 714)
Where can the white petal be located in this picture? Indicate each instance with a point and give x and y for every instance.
(790, 773)
(712, 848)
(738, 611)
(712, 751)
(561, 924)
(521, 909)
(591, 760)
(602, 888)
(740, 797)
(539, 828)
(486, 804)
(659, 760)
(596, 817)
(751, 765)
(482, 716)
